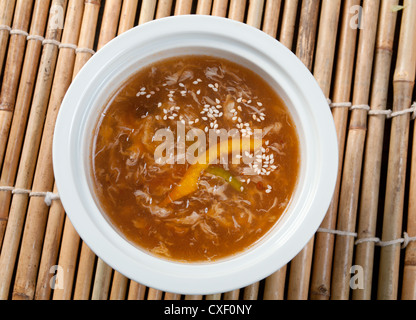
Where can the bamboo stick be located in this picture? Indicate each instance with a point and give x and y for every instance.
(194, 297)
(271, 17)
(24, 97)
(215, 296)
(164, 8)
(66, 260)
(204, 7)
(13, 67)
(274, 288)
(84, 274)
(183, 7)
(28, 156)
(87, 257)
(154, 294)
(119, 287)
(108, 29)
(232, 295)
(147, 11)
(321, 271)
(324, 59)
(136, 291)
(237, 10)
(403, 83)
(409, 270)
(50, 252)
(288, 23)
(102, 281)
(172, 296)
(254, 19)
(219, 8)
(70, 238)
(255, 13)
(324, 242)
(275, 283)
(27, 267)
(251, 292)
(364, 254)
(127, 16)
(344, 245)
(300, 266)
(6, 16)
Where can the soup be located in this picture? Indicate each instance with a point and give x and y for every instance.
(194, 158)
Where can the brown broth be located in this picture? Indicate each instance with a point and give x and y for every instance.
(216, 220)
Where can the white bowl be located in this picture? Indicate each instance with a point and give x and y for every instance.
(180, 35)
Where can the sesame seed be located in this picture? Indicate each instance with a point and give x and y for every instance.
(268, 191)
(259, 104)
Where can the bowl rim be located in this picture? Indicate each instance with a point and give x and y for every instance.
(165, 275)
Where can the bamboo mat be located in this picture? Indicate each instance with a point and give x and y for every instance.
(363, 55)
